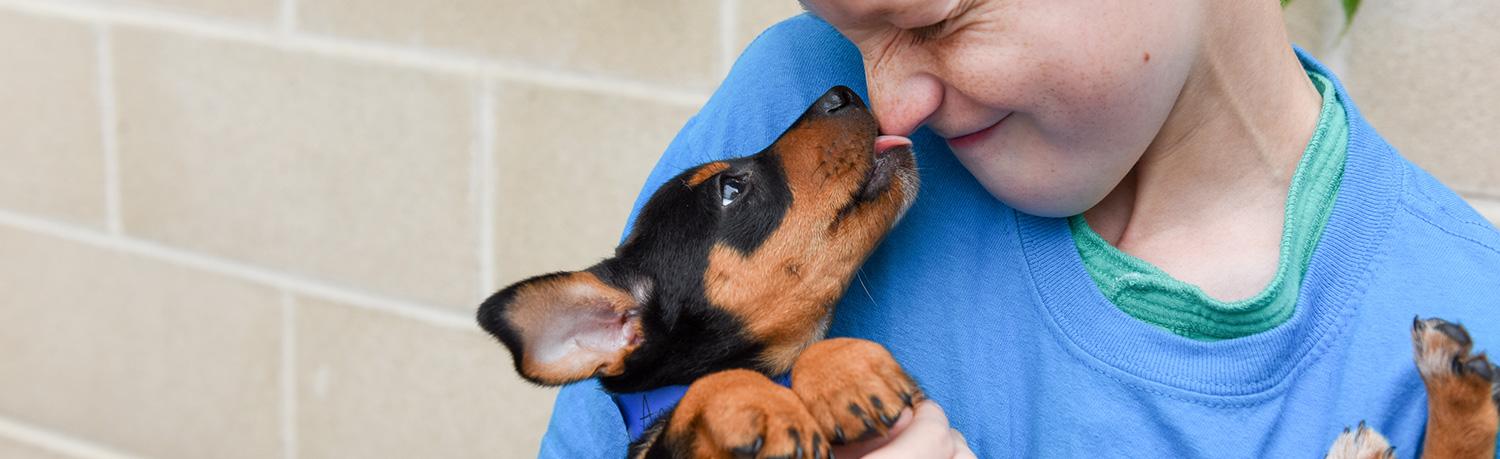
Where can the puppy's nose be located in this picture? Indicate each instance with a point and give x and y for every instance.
(838, 98)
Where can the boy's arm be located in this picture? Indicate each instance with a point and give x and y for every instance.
(771, 84)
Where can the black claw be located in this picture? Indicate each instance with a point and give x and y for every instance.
(838, 435)
(1456, 332)
(1417, 324)
(906, 398)
(1481, 366)
(865, 419)
(880, 411)
(796, 440)
(750, 450)
(817, 446)
(1359, 433)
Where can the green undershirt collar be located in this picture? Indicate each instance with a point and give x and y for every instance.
(1145, 292)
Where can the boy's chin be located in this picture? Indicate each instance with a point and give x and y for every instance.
(1042, 195)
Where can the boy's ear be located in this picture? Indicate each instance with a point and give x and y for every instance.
(564, 327)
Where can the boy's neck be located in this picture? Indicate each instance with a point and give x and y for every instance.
(1207, 200)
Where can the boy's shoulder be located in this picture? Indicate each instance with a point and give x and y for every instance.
(1441, 217)
(1440, 258)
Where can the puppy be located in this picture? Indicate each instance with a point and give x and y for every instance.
(731, 273)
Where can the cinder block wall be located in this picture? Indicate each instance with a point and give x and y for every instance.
(258, 228)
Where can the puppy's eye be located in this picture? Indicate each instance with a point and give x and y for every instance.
(730, 188)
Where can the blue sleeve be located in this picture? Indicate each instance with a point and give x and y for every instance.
(771, 84)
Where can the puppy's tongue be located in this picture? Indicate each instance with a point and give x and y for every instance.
(887, 142)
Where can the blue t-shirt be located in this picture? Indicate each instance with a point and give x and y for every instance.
(993, 313)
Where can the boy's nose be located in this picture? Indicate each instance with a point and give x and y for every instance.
(904, 101)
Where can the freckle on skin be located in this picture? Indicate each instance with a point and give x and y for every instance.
(1146, 57)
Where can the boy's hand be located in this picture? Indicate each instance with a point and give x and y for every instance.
(925, 434)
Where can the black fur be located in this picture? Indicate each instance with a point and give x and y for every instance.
(662, 263)
(686, 336)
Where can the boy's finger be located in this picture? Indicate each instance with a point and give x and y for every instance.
(961, 446)
(927, 436)
(856, 450)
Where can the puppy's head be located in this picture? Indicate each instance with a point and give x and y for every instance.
(732, 264)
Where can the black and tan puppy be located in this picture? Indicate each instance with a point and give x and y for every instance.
(730, 274)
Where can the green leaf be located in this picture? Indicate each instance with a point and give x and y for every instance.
(1284, 2)
(1350, 7)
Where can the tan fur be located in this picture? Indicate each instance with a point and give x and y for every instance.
(731, 409)
(1461, 417)
(785, 288)
(706, 172)
(834, 374)
(1361, 443)
(534, 312)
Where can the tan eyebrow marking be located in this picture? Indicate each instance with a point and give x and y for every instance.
(706, 172)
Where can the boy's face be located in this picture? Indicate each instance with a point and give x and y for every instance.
(1048, 102)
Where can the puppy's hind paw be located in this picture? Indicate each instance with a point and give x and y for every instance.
(1443, 353)
(1361, 443)
(1461, 391)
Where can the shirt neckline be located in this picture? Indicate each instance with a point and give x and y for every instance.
(1242, 368)
(1148, 293)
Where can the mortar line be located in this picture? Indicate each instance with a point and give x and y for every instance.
(288, 375)
(57, 442)
(429, 314)
(436, 60)
(109, 128)
(484, 173)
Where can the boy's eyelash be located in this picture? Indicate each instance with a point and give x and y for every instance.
(927, 33)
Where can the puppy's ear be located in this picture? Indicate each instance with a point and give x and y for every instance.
(564, 327)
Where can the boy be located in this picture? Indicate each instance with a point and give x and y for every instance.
(1147, 229)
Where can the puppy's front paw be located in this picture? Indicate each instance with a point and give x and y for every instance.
(742, 414)
(853, 387)
(1361, 443)
(1461, 390)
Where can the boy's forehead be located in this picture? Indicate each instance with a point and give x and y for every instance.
(876, 13)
